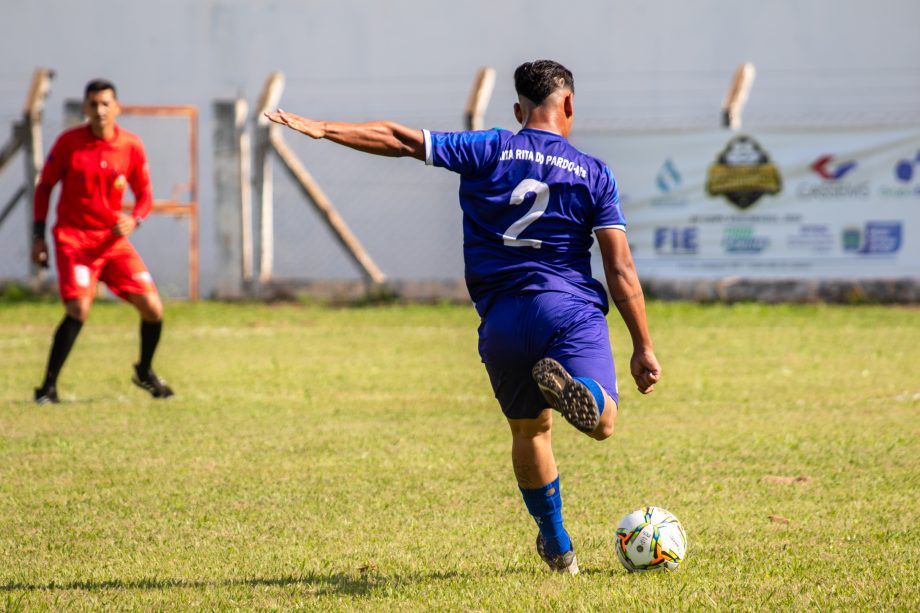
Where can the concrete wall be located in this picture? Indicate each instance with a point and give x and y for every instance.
(637, 65)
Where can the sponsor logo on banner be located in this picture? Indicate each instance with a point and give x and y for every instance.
(875, 237)
(824, 168)
(816, 238)
(668, 178)
(907, 174)
(832, 186)
(742, 173)
(668, 181)
(742, 239)
(683, 240)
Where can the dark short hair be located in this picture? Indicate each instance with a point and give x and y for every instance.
(99, 85)
(537, 80)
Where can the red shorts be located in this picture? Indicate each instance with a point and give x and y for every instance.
(85, 257)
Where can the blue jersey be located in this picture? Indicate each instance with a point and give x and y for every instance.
(531, 202)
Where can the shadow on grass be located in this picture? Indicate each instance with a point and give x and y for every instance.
(317, 584)
(65, 402)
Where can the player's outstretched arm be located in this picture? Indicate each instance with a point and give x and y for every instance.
(626, 292)
(377, 137)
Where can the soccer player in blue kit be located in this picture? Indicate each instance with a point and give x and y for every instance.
(531, 203)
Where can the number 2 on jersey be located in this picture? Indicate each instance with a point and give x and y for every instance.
(527, 186)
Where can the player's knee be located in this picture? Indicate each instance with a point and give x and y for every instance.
(607, 423)
(150, 307)
(154, 313)
(603, 431)
(77, 309)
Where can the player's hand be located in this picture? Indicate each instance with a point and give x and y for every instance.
(125, 225)
(40, 252)
(310, 127)
(645, 370)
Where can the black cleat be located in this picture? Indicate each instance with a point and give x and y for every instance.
(152, 383)
(570, 397)
(46, 394)
(562, 563)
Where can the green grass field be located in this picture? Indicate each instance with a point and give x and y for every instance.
(355, 459)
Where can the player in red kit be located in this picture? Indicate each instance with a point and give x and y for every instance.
(94, 163)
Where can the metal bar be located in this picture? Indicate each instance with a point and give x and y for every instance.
(73, 110)
(193, 265)
(173, 109)
(193, 251)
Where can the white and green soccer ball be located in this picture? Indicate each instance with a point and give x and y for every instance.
(650, 539)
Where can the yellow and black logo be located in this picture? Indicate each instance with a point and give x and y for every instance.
(743, 173)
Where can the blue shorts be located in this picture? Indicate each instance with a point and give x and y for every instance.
(518, 331)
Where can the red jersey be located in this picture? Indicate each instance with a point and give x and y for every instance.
(94, 173)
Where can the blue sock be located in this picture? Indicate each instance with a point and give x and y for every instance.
(545, 504)
(596, 390)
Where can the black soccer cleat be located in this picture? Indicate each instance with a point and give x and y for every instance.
(562, 563)
(152, 383)
(570, 397)
(46, 394)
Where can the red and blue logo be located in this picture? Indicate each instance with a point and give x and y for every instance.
(827, 169)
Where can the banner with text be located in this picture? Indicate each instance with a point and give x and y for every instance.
(829, 204)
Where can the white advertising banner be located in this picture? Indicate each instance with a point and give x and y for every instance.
(807, 204)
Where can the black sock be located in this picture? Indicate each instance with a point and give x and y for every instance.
(64, 337)
(150, 338)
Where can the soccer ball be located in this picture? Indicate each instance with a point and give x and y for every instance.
(650, 539)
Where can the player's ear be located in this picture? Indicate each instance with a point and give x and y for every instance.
(518, 113)
(568, 104)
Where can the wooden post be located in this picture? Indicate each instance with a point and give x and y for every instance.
(230, 191)
(31, 136)
(479, 98)
(737, 96)
(315, 194)
(32, 128)
(27, 134)
(262, 186)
